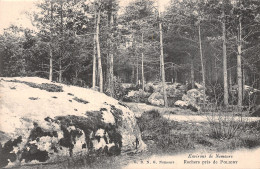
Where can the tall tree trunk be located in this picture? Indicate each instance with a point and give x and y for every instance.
(243, 81)
(99, 54)
(111, 72)
(137, 70)
(192, 73)
(50, 46)
(60, 71)
(94, 68)
(133, 73)
(175, 75)
(172, 73)
(230, 80)
(51, 63)
(224, 59)
(142, 61)
(94, 55)
(94, 63)
(61, 31)
(137, 63)
(239, 67)
(108, 41)
(162, 59)
(111, 63)
(216, 70)
(202, 70)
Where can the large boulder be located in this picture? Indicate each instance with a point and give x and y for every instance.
(198, 86)
(138, 96)
(39, 125)
(181, 104)
(149, 87)
(191, 100)
(174, 92)
(156, 99)
(255, 109)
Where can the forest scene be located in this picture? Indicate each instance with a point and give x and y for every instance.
(116, 84)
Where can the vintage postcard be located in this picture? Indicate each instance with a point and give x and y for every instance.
(131, 84)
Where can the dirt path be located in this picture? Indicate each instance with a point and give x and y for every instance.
(209, 118)
(181, 115)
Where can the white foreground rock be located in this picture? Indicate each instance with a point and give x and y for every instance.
(38, 125)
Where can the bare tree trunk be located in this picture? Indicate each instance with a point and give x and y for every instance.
(111, 71)
(137, 63)
(99, 54)
(224, 59)
(202, 70)
(94, 64)
(60, 71)
(239, 67)
(162, 61)
(61, 31)
(108, 41)
(51, 63)
(243, 82)
(137, 70)
(94, 55)
(192, 73)
(133, 73)
(175, 75)
(160, 69)
(142, 61)
(216, 70)
(230, 80)
(111, 63)
(172, 73)
(50, 46)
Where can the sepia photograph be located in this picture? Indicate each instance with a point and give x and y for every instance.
(130, 84)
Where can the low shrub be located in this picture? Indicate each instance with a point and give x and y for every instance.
(44, 86)
(50, 87)
(80, 100)
(118, 90)
(154, 127)
(33, 98)
(225, 127)
(251, 142)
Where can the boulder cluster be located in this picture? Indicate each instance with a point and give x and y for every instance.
(177, 95)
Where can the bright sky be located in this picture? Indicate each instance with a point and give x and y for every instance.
(12, 12)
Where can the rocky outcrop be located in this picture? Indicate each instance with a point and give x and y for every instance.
(68, 122)
(191, 100)
(255, 110)
(138, 96)
(181, 103)
(156, 99)
(174, 92)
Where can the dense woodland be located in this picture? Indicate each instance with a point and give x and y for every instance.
(100, 44)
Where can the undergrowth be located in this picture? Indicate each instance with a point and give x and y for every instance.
(44, 86)
(224, 133)
(80, 100)
(163, 134)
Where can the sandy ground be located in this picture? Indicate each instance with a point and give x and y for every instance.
(197, 118)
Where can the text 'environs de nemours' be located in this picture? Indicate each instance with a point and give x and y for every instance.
(209, 156)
